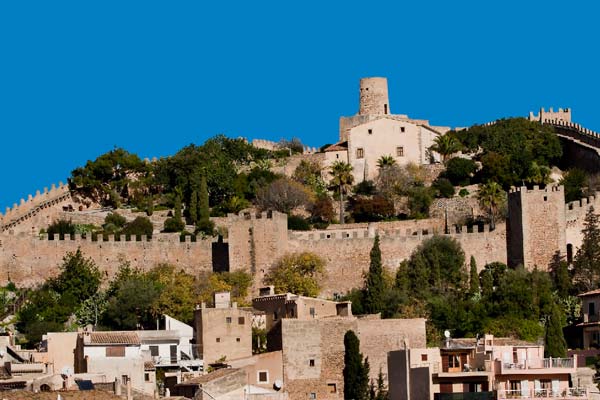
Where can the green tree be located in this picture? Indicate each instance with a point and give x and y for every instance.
(459, 171)
(78, 277)
(555, 344)
(298, 273)
(419, 201)
(342, 179)
(193, 208)
(203, 201)
(374, 282)
(356, 376)
(138, 227)
(473, 278)
(574, 181)
(382, 392)
(176, 297)
(586, 266)
(446, 145)
(62, 228)
(491, 197)
(385, 161)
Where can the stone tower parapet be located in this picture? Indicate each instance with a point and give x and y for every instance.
(374, 97)
(536, 228)
(563, 115)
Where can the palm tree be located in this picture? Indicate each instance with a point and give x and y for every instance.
(342, 177)
(446, 145)
(490, 197)
(385, 161)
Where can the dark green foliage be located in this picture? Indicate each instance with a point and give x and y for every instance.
(561, 278)
(586, 266)
(419, 201)
(138, 227)
(574, 181)
(150, 206)
(459, 171)
(79, 278)
(173, 225)
(510, 146)
(206, 227)
(115, 219)
(365, 188)
(203, 200)
(177, 207)
(61, 228)
(487, 283)
(365, 209)
(437, 266)
(297, 223)
(374, 282)
(129, 306)
(193, 208)
(473, 278)
(356, 373)
(356, 296)
(443, 187)
(107, 178)
(555, 344)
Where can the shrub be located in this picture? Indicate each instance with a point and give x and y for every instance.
(419, 201)
(365, 188)
(322, 210)
(205, 227)
(173, 225)
(463, 192)
(297, 223)
(459, 171)
(115, 219)
(375, 209)
(443, 187)
(139, 226)
(61, 227)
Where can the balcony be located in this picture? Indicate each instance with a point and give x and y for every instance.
(464, 396)
(543, 366)
(467, 370)
(568, 394)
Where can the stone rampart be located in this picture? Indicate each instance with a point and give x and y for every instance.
(28, 261)
(347, 251)
(35, 209)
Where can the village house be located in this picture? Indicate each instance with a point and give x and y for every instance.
(478, 368)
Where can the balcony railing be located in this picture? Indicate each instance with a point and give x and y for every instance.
(568, 393)
(540, 363)
(464, 396)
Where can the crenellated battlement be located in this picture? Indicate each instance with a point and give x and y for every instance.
(370, 232)
(536, 189)
(33, 205)
(543, 115)
(160, 239)
(253, 216)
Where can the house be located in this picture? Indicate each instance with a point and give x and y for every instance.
(223, 332)
(309, 332)
(476, 368)
(590, 310)
(375, 132)
(116, 355)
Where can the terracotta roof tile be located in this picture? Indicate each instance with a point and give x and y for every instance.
(590, 293)
(114, 338)
(340, 146)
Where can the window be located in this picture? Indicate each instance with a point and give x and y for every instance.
(312, 312)
(146, 377)
(370, 131)
(237, 339)
(228, 320)
(115, 351)
(311, 362)
(263, 376)
(402, 129)
(385, 108)
(124, 379)
(218, 340)
(241, 321)
(337, 156)
(312, 396)
(423, 357)
(591, 308)
(515, 385)
(154, 351)
(360, 152)
(399, 151)
(275, 316)
(453, 361)
(332, 388)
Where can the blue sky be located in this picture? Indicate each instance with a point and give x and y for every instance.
(78, 78)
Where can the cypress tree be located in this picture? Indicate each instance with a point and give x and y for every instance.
(194, 208)
(150, 206)
(473, 278)
(586, 266)
(555, 345)
(375, 283)
(402, 282)
(203, 206)
(177, 207)
(356, 374)
(487, 283)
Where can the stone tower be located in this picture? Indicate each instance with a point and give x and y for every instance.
(374, 97)
(536, 226)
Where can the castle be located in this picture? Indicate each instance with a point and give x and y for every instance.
(540, 225)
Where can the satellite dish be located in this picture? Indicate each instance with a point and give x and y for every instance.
(278, 384)
(447, 334)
